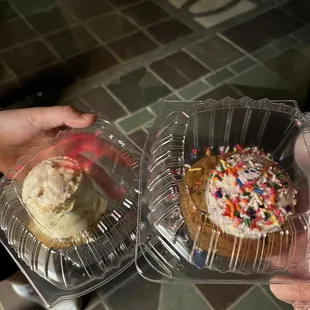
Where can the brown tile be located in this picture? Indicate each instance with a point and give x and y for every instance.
(215, 52)
(7, 12)
(229, 294)
(262, 30)
(138, 137)
(86, 9)
(92, 62)
(179, 69)
(71, 41)
(14, 32)
(219, 93)
(50, 20)
(28, 57)
(132, 46)
(102, 26)
(146, 13)
(169, 30)
(300, 9)
(99, 100)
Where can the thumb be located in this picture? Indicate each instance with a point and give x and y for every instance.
(53, 117)
(290, 290)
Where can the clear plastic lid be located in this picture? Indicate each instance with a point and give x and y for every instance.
(181, 240)
(68, 210)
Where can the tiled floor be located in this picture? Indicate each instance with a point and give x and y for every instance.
(124, 57)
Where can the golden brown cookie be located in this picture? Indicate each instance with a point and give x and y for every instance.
(208, 236)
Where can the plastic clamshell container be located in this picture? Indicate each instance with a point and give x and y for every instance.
(170, 239)
(111, 161)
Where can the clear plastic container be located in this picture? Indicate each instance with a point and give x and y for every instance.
(58, 267)
(183, 245)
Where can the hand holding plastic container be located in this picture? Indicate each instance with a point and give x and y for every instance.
(68, 211)
(211, 219)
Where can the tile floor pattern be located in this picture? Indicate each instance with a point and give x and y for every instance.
(124, 57)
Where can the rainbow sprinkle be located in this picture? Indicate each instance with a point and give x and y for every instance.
(258, 206)
(194, 169)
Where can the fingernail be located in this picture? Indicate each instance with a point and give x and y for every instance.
(87, 116)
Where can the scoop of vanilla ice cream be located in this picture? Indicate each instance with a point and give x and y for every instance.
(61, 197)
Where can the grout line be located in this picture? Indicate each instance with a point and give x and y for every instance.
(137, 128)
(37, 70)
(53, 6)
(11, 47)
(241, 297)
(160, 297)
(42, 39)
(125, 117)
(232, 86)
(270, 298)
(150, 57)
(160, 79)
(126, 5)
(142, 29)
(120, 10)
(104, 304)
(198, 94)
(121, 37)
(296, 18)
(56, 31)
(197, 290)
(98, 45)
(83, 101)
(259, 62)
(185, 50)
(86, 27)
(39, 36)
(148, 108)
(116, 98)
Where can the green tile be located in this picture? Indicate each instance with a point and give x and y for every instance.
(242, 65)
(302, 33)
(136, 120)
(181, 297)
(285, 43)
(158, 105)
(256, 300)
(283, 305)
(193, 90)
(219, 77)
(265, 53)
(260, 76)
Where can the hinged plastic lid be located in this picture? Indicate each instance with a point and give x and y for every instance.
(82, 179)
(180, 241)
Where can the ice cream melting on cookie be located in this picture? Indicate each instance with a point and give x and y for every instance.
(249, 194)
(61, 197)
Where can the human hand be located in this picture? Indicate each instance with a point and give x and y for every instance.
(295, 289)
(20, 130)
